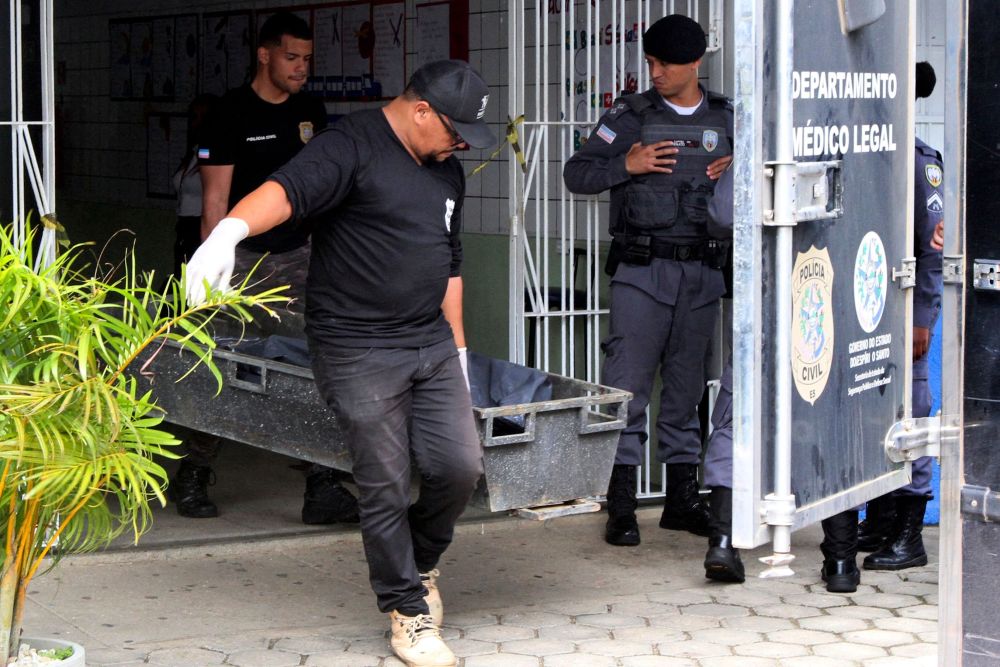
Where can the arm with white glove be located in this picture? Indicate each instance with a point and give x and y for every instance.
(213, 261)
(452, 309)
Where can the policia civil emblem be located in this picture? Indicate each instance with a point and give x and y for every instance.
(812, 322)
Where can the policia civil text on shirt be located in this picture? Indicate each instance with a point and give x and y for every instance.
(384, 322)
(658, 153)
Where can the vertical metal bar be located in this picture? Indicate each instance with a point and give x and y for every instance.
(783, 217)
(749, 36)
(47, 250)
(950, 613)
(565, 218)
(515, 179)
(15, 109)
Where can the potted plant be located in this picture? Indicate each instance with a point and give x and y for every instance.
(78, 442)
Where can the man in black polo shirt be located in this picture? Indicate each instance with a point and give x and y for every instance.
(257, 128)
(384, 321)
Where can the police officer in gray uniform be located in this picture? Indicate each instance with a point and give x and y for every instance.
(894, 522)
(658, 153)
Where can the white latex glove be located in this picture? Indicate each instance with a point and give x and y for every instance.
(214, 259)
(463, 358)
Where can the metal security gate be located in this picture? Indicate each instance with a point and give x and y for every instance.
(567, 62)
(32, 140)
(970, 421)
(823, 262)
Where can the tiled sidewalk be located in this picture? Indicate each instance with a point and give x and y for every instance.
(516, 593)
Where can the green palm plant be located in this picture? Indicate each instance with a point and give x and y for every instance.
(78, 441)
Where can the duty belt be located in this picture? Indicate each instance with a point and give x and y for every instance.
(681, 253)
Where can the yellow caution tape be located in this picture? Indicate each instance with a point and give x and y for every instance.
(49, 221)
(515, 144)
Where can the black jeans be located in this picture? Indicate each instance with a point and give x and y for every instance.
(393, 404)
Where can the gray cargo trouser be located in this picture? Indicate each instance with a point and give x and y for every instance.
(393, 404)
(646, 334)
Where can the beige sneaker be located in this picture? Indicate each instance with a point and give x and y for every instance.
(416, 640)
(433, 597)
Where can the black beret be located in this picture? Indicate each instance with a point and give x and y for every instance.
(925, 79)
(675, 39)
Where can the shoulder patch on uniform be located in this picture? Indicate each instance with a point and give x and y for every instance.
(604, 132)
(934, 203)
(617, 108)
(933, 174)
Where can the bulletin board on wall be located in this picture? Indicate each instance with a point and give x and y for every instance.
(227, 50)
(360, 48)
(154, 58)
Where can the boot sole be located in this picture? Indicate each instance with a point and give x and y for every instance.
(192, 515)
(841, 587)
(913, 562)
(425, 664)
(723, 573)
(700, 531)
(624, 543)
(841, 583)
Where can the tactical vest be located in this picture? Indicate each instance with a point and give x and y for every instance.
(674, 207)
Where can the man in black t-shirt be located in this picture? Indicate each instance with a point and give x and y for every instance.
(384, 321)
(255, 129)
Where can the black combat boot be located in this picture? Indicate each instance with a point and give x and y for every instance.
(327, 501)
(684, 508)
(880, 515)
(904, 547)
(622, 529)
(840, 549)
(189, 490)
(722, 561)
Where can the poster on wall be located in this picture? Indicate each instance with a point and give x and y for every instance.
(358, 47)
(613, 66)
(166, 138)
(142, 59)
(163, 58)
(185, 57)
(389, 67)
(433, 29)
(154, 58)
(120, 36)
(226, 56)
(328, 52)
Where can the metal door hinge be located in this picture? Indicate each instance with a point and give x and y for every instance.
(953, 269)
(985, 274)
(907, 273)
(819, 190)
(909, 439)
(980, 503)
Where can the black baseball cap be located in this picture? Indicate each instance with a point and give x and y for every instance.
(456, 90)
(675, 39)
